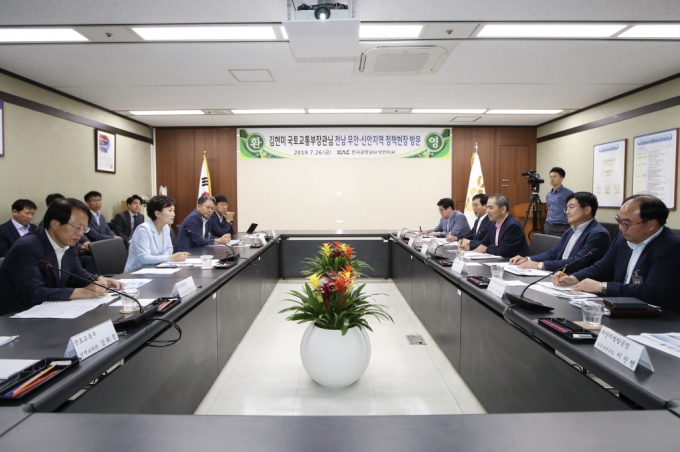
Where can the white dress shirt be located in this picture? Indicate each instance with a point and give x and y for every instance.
(578, 231)
(637, 250)
(22, 230)
(59, 251)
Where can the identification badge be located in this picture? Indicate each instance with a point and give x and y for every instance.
(636, 278)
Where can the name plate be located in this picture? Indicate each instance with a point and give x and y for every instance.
(94, 340)
(497, 287)
(423, 250)
(624, 350)
(399, 233)
(273, 233)
(458, 266)
(410, 242)
(183, 288)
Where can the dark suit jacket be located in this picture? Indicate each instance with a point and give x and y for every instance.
(187, 240)
(9, 235)
(594, 236)
(121, 225)
(511, 240)
(99, 231)
(476, 238)
(658, 266)
(24, 284)
(218, 228)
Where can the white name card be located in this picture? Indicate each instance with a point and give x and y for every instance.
(497, 287)
(624, 350)
(423, 250)
(399, 233)
(458, 266)
(410, 241)
(183, 288)
(273, 233)
(94, 340)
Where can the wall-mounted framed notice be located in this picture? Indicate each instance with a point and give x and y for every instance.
(2, 129)
(105, 152)
(655, 158)
(609, 173)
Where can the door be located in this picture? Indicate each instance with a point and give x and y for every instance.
(514, 160)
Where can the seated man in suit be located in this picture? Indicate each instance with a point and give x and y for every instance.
(99, 229)
(642, 262)
(482, 223)
(17, 226)
(125, 223)
(195, 229)
(585, 235)
(26, 282)
(507, 238)
(452, 223)
(222, 219)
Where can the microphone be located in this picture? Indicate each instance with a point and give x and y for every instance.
(45, 264)
(532, 305)
(233, 256)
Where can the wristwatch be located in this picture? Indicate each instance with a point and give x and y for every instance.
(541, 266)
(603, 288)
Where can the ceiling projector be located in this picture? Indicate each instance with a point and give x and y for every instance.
(324, 10)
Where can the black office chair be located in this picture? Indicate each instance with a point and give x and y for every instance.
(173, 236)
(540, 243)
(109, 256)
(613, 229)
(1, 259)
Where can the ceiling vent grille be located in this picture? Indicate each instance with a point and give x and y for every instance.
(402, 60)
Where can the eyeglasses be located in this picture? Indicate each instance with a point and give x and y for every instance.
(207, 207)
(625, 226)
(83, 229)
(572, 207)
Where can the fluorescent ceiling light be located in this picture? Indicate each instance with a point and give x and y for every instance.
(523, 112)
(367, 31)
(549, 30)
(283, 33)
(40, 35)
(166, 112)
(449, 111)
(274, 111)
(205, 33)
(344, 110)
(658, 31)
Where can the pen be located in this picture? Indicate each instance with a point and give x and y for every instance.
(561, 272)
(19, 388)
(36, 383)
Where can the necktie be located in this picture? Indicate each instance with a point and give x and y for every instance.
(133, 225)
(474, 228)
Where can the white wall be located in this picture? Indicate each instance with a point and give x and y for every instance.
(299, 194)
(46, 154)
(574, 152)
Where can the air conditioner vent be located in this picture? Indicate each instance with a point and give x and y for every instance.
(412, 60)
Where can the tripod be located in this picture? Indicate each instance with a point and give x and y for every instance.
(536, 208)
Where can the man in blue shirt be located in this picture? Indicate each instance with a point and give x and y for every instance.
(556, 199)
(642, 262)
(584, 235)
(453, 223)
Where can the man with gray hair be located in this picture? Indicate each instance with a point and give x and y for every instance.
(507, 238)
(194, 232)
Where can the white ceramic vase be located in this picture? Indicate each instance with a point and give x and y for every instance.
(334, 360)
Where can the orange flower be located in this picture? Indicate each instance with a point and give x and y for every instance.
(348, 252)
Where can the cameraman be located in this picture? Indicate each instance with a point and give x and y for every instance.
(556, 222)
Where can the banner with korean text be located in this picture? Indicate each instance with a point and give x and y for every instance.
(345, 143)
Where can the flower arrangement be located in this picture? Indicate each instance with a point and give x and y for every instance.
(331, 299)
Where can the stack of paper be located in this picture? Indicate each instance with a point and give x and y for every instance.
(475, 255)
(515, 270)
(156, 271)
(62, 309)
(134, 283)
(667, 342)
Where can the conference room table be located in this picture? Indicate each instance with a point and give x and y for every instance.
(538, 386)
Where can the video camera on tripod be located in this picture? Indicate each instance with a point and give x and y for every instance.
(534, 179)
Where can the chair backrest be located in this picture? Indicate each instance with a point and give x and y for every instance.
(173, 236)
(1, 259)
(540, 243)
(109, 256)
(613, 230)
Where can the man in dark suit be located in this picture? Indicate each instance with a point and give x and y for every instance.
(222, 219)
(482, 223)
(24, 282)
(49, 200)
(17, 226)
(642, 262)
(124, 223)
(585, 235)
(195, 229)
(507, 237)
(99, 230)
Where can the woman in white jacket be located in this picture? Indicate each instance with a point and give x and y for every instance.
(151, 243)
